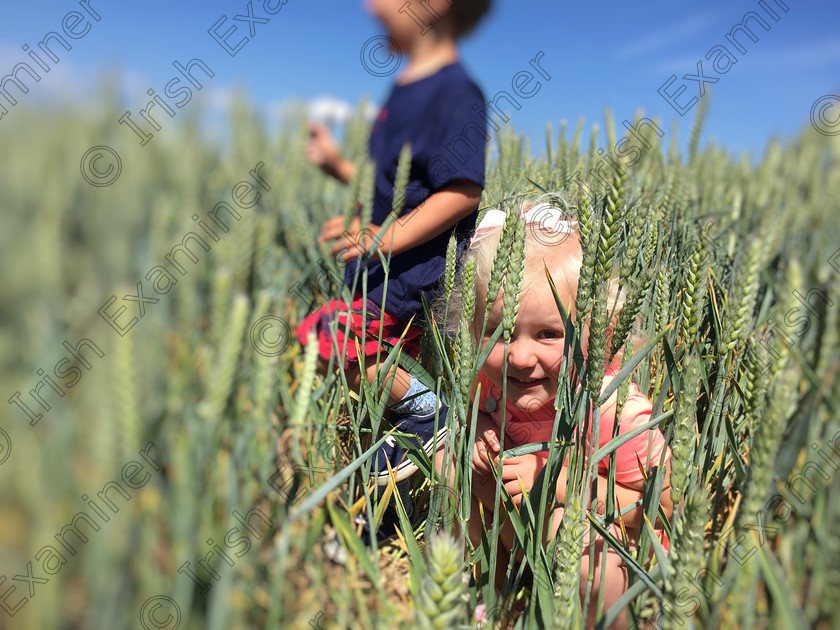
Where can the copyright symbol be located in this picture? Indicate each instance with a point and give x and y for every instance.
(270, 335)
(149, 615)
(5, 446)
(371, 61)
(550, 225)
(442, 505)
(101, 166)
(497, 618)
(329, 449)
(518, 431)
(824, 124)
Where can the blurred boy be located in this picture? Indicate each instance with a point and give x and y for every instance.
(436, 108)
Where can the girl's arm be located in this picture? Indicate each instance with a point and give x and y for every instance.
(636, 411)
(626, 494)
(527, 467)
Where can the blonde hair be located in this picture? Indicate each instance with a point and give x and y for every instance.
(558, 252)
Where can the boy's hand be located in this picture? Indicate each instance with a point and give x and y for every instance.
(350, 243)
(323, 152)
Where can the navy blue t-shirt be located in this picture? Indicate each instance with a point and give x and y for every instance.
(442, 117)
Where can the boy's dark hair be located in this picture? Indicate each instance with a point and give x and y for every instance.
(466, 14)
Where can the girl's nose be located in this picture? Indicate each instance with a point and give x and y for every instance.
(521, 354)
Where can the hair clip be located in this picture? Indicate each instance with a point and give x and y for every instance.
(545, 216)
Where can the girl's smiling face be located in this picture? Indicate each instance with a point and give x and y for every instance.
(535, 349)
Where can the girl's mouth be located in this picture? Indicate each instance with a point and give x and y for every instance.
(525, 383)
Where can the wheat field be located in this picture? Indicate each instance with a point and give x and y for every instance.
(179, 464)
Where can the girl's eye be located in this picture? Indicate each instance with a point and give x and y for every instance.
(551, 334)
(488, 335)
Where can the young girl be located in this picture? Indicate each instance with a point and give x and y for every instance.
(534, 355)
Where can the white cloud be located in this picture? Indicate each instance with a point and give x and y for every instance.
(10, 55)
(218, 99)
(804, 57)
(663, 37)
(760, 56)
(64, 81)
(325, 109)
(328, 108)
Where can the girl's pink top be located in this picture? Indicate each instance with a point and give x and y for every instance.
(535, 425)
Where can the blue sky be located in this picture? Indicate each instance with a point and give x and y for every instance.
(597, 54)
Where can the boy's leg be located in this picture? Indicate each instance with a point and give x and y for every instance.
(400, 383)
(426, 430)
(399, 386)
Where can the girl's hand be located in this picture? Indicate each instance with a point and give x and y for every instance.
(486, 446)
(524, 468)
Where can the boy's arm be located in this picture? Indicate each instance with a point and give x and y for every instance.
(342, 170)
(434, 216)
(323, 152)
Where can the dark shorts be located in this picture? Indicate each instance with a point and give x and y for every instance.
(394, 331)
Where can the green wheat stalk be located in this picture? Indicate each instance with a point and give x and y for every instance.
(567, 558)
(684, 440)
(440, 605)
(222, 374)
(686, 554)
